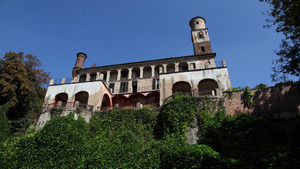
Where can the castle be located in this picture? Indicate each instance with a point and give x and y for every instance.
(143, 84)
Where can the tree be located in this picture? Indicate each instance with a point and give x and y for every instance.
(22, 84)
(285, 15)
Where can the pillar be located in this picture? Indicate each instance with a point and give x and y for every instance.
(153, 71)
(129, 73)
(98, 76)
(101, 76)
(176, 67)
(88, 77)
(165, 68)
(108, 76)
(119, 75)
(141, 72)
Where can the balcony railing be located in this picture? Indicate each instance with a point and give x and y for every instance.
(69, 105)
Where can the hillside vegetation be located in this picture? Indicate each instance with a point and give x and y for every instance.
(148, 138)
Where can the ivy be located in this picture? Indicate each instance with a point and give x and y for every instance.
(247, 97)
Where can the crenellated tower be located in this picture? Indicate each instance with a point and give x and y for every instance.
(200, 36)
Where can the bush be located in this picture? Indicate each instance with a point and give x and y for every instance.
(175, 153)
(123, 139)
(61, 143)
(176, 116)
(4, 123)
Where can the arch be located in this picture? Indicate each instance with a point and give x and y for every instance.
(157, 69)
(106, 102)
(183, 67)
(147, 72)
(93, 76)
(82, 98)
(183, 87)
(113, 75)
(207, 87)
(135, 73)
(82, 78)
(170, 68)
(63, 97)
(124, 74)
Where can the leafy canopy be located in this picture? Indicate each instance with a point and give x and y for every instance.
(285, 15)
(22, 83)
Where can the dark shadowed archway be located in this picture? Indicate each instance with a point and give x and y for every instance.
(61, 97)
(183, 87)
(207, 87)
(82, 97)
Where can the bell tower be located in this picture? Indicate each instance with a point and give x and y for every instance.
(79, 64)
(200, 36)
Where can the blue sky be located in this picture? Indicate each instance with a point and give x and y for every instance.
(119, 31)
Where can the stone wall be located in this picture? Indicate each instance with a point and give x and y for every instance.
(280, 101)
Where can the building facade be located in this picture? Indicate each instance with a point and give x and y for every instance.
(143, 84)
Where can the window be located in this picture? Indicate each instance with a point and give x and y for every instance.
(124, 87)
(112, 87)
(134, 86)
(202, 49)
(193, 66)
(155, 84)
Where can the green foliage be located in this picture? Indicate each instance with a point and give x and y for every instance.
(62, 143)
(286, 16)
(4, 123)
(228, 93)
(262, 87)
(176, 116)
(177, 154)
(123, 139)
(56, 111)
(257, 142)
(247, 98)
(126, 139)
(21, 84)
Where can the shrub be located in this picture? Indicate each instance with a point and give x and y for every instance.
(4, 123)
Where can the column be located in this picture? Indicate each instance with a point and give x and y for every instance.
(119, 75)
(153, 71)
(88, 77)
(101, 76)
(141, 72)
(98, 76)
(165, 68)
(108, 76)
(176, 67)
(129, 73)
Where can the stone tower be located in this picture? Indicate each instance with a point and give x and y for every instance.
(200, 36)
(79, 63)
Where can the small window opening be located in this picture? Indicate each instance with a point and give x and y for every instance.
(202, 49)
(112, 87)
(134, 86)
(193, 66)
(201, 36)
(124, 87)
